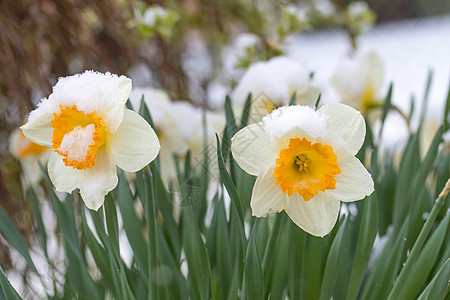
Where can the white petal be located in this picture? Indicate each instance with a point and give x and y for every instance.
(315, 216)
(260, 107)
(98, 181)
(119, 96)
(374, 71)
(39, 130)
(13, 141)
(354, 182)
(267, 197)
(31, 171)
(135, 144)
(65, 179)
(345, 123)
(251, 148)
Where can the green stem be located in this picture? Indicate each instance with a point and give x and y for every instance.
(271, 243)
(416, 248)
(151, 231)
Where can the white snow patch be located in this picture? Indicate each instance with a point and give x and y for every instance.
(285, 118)
(277, 79)
(90, 92)
(75, 144)
(408, 49)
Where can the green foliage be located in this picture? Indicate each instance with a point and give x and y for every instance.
(187, 244)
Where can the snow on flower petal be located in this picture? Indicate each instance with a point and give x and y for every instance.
(307, 165)
(85, 121)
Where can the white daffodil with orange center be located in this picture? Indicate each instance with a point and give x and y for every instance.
(85, 121)
(305, 163)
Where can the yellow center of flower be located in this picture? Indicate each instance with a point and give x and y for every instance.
(25, 147)
(369, 99)
(306, 168)
(77, 136)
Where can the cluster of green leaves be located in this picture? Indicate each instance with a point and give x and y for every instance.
(209, 252)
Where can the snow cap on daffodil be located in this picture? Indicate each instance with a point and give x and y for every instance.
(85, 121)
(359, 79)
(305, 163)
(272, 84)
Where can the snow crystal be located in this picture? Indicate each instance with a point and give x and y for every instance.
(277, 79)
(75, 144)
(283, 119)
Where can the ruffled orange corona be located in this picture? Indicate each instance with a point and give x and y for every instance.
(306, 168)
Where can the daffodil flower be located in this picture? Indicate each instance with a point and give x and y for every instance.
(85, 121)
(358, 81)
(179, 125)
(272, 83)
(30, 155)
(305, 163)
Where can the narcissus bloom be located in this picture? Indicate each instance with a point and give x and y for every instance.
(179, 126)
(30, 155)
(272, 83)
(85, 121)
(305, 163)
(358, 81)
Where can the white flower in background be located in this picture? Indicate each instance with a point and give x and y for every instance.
(179, 126)
(216, 93)
(174, 121)
(305, 163)
(358, 81)
(272, 83)
(157, 100)
(30, 155)
(91, 132)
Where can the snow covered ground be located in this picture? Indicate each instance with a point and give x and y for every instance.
(409, 49)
